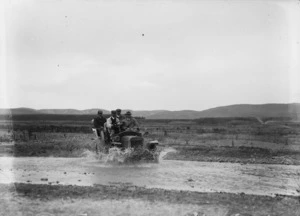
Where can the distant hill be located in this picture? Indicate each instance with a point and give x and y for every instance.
(183, 114)
(19, 111)
(146, 113)
(239, 110)
(262, 110)
(72, 111)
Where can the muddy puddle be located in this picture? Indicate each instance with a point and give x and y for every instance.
(258, 179)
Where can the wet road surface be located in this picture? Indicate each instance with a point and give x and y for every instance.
(258, 179)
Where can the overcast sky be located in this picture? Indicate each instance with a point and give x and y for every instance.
(146, 55)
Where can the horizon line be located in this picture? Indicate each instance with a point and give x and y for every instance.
(147, 110)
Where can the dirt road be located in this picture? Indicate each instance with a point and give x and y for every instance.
(254, 179)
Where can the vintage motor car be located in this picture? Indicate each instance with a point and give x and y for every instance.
(130, 139)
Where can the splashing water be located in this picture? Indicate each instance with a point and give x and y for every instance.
(89, 155)
(117, 156)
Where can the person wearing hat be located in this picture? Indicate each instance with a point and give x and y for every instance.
(98, 127)
(113, 123)
(99, 121)
(129, 123)
(119, 115)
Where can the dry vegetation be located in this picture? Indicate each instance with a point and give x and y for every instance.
(244, 140)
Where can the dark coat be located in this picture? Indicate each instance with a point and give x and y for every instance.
(99, 121)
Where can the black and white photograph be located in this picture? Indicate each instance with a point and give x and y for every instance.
(150, 107)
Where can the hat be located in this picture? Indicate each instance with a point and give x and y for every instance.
(100, 112)
(128, 113)
(113, 112)
(118, 110)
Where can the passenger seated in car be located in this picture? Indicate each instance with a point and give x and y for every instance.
(129, 123)
(113, 123)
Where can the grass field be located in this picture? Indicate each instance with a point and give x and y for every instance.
(245, 140)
